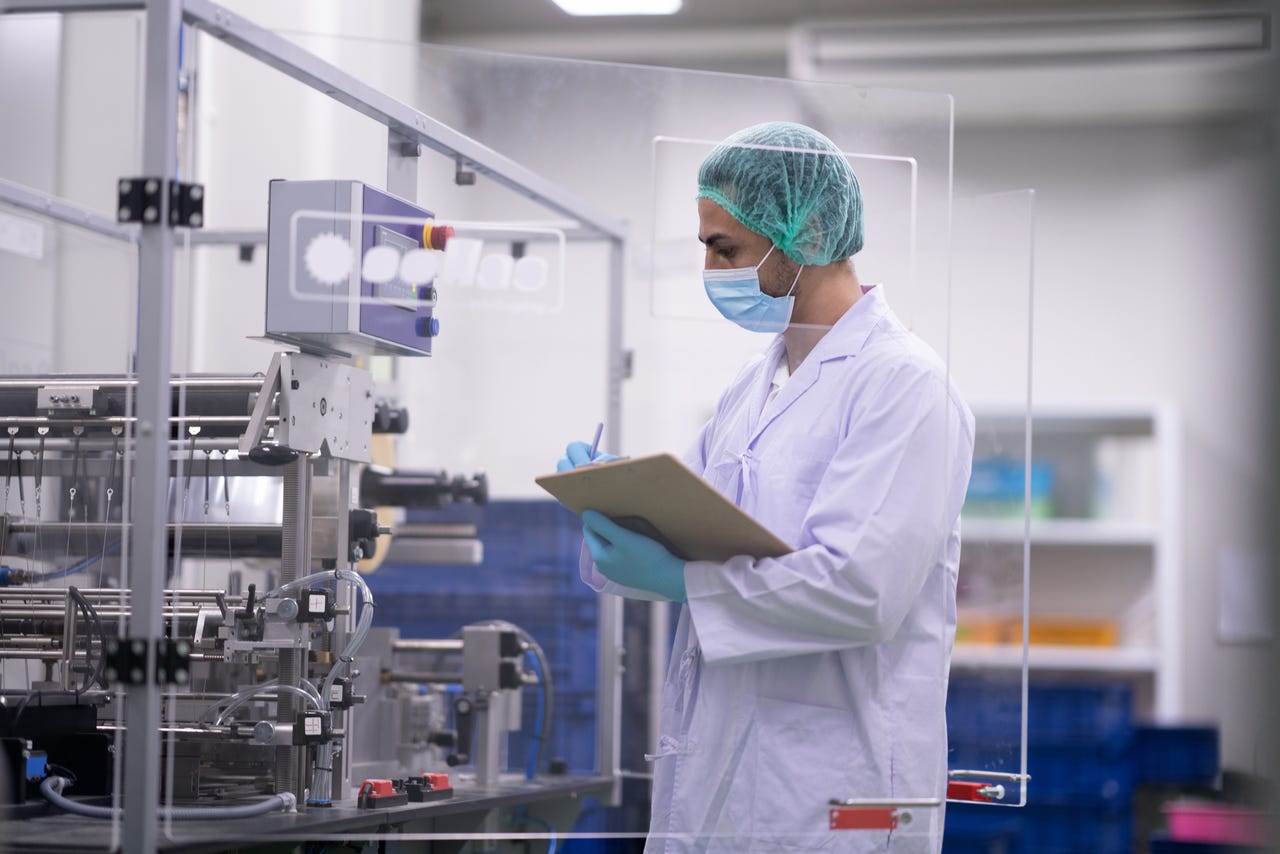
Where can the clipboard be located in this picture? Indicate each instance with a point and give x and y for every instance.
(660, 497)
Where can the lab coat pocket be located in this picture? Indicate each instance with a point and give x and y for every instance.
(804, 756)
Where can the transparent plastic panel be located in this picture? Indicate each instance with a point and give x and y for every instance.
(1009, 490)
(68, 333)
(71, 104)
(506, 387)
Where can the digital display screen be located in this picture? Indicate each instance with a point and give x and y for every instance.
(396, 292)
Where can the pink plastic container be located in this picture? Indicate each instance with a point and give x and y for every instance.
(1204, 821)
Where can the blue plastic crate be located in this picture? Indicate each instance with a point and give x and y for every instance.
(1081, 775)
(1162, 844)
(1101, 715)
(984, 711)
(1180, 755)
(976, 829)
(1074, 830)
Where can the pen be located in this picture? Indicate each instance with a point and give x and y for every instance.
(595, 443)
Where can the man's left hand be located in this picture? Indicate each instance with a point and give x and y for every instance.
(631, 559)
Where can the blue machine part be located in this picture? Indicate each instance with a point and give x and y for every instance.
(37, 763)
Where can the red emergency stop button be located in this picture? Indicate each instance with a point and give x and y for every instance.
(435, 236)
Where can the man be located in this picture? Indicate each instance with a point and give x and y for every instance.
(820, 674)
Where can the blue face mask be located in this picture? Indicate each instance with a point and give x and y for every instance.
(736, 294)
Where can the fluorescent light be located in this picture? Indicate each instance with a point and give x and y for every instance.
(620, 7)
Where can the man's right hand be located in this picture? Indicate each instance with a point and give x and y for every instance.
(579, 454)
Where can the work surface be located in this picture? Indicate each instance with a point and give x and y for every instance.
(463, 813)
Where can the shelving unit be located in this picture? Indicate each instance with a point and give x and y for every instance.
(1108, 551)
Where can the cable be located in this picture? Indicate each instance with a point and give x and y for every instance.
(363, 625)
(52, 787)
(521, 817)
(92, 675)
(227, 705)
(535, 745)
(548, 690)
(83, 565)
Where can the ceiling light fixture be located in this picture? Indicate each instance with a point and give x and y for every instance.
(620, 7)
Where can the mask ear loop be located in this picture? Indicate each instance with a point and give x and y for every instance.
(795, 280)
(772, 246)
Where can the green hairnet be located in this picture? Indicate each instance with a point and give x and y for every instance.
(791, 184)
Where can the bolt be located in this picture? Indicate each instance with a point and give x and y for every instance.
(151, 186)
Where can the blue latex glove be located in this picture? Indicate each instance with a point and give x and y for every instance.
(632, 559)
(579, 454)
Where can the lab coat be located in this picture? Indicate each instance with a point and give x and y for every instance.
(820, 674)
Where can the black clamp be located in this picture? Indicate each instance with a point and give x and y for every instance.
(126, 661)
(139, 200)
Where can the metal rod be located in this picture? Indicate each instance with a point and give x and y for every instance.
(154, 401)
(55, 208)
(412, 645)
(114, 420)
(228, 382)
(389, 676)
(108, 593)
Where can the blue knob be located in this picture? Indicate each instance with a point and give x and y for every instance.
(428, 327)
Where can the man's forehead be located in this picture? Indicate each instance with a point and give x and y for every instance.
(713, 218)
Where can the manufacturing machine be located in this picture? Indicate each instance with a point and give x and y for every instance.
(280, 693)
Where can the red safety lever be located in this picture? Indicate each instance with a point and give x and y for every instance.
(965, 790)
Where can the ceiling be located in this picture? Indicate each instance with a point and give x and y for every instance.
(773, 37)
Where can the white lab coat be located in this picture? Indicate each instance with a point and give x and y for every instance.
(821, 674)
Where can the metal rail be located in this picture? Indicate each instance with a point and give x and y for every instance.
(398, 117)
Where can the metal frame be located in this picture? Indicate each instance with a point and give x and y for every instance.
(407, 129)
(55, 208)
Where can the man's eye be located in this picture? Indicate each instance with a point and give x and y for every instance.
(725, 253)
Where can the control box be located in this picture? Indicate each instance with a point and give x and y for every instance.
(320, 294)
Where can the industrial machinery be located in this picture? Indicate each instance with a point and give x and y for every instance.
(277, 685)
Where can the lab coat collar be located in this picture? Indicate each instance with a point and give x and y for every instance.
(844, 340)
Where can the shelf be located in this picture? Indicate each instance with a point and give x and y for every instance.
(1133, 660)
(1133, 420)
(1060, 532)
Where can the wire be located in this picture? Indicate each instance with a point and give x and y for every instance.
(52, 788)
(237, 700)
(83, 565)
(521, 817)
(94, 674)
(548, 689)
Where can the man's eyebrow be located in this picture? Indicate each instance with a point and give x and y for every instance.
(712, 239)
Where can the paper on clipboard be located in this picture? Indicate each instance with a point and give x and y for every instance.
(661, 497)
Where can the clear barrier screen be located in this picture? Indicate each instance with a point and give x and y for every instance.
(991, 347)
(65, 456)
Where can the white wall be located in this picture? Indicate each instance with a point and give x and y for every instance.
(1149, 287)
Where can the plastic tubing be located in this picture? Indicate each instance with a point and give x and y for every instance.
(229, 704)
(362, 625)
(52, 787)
